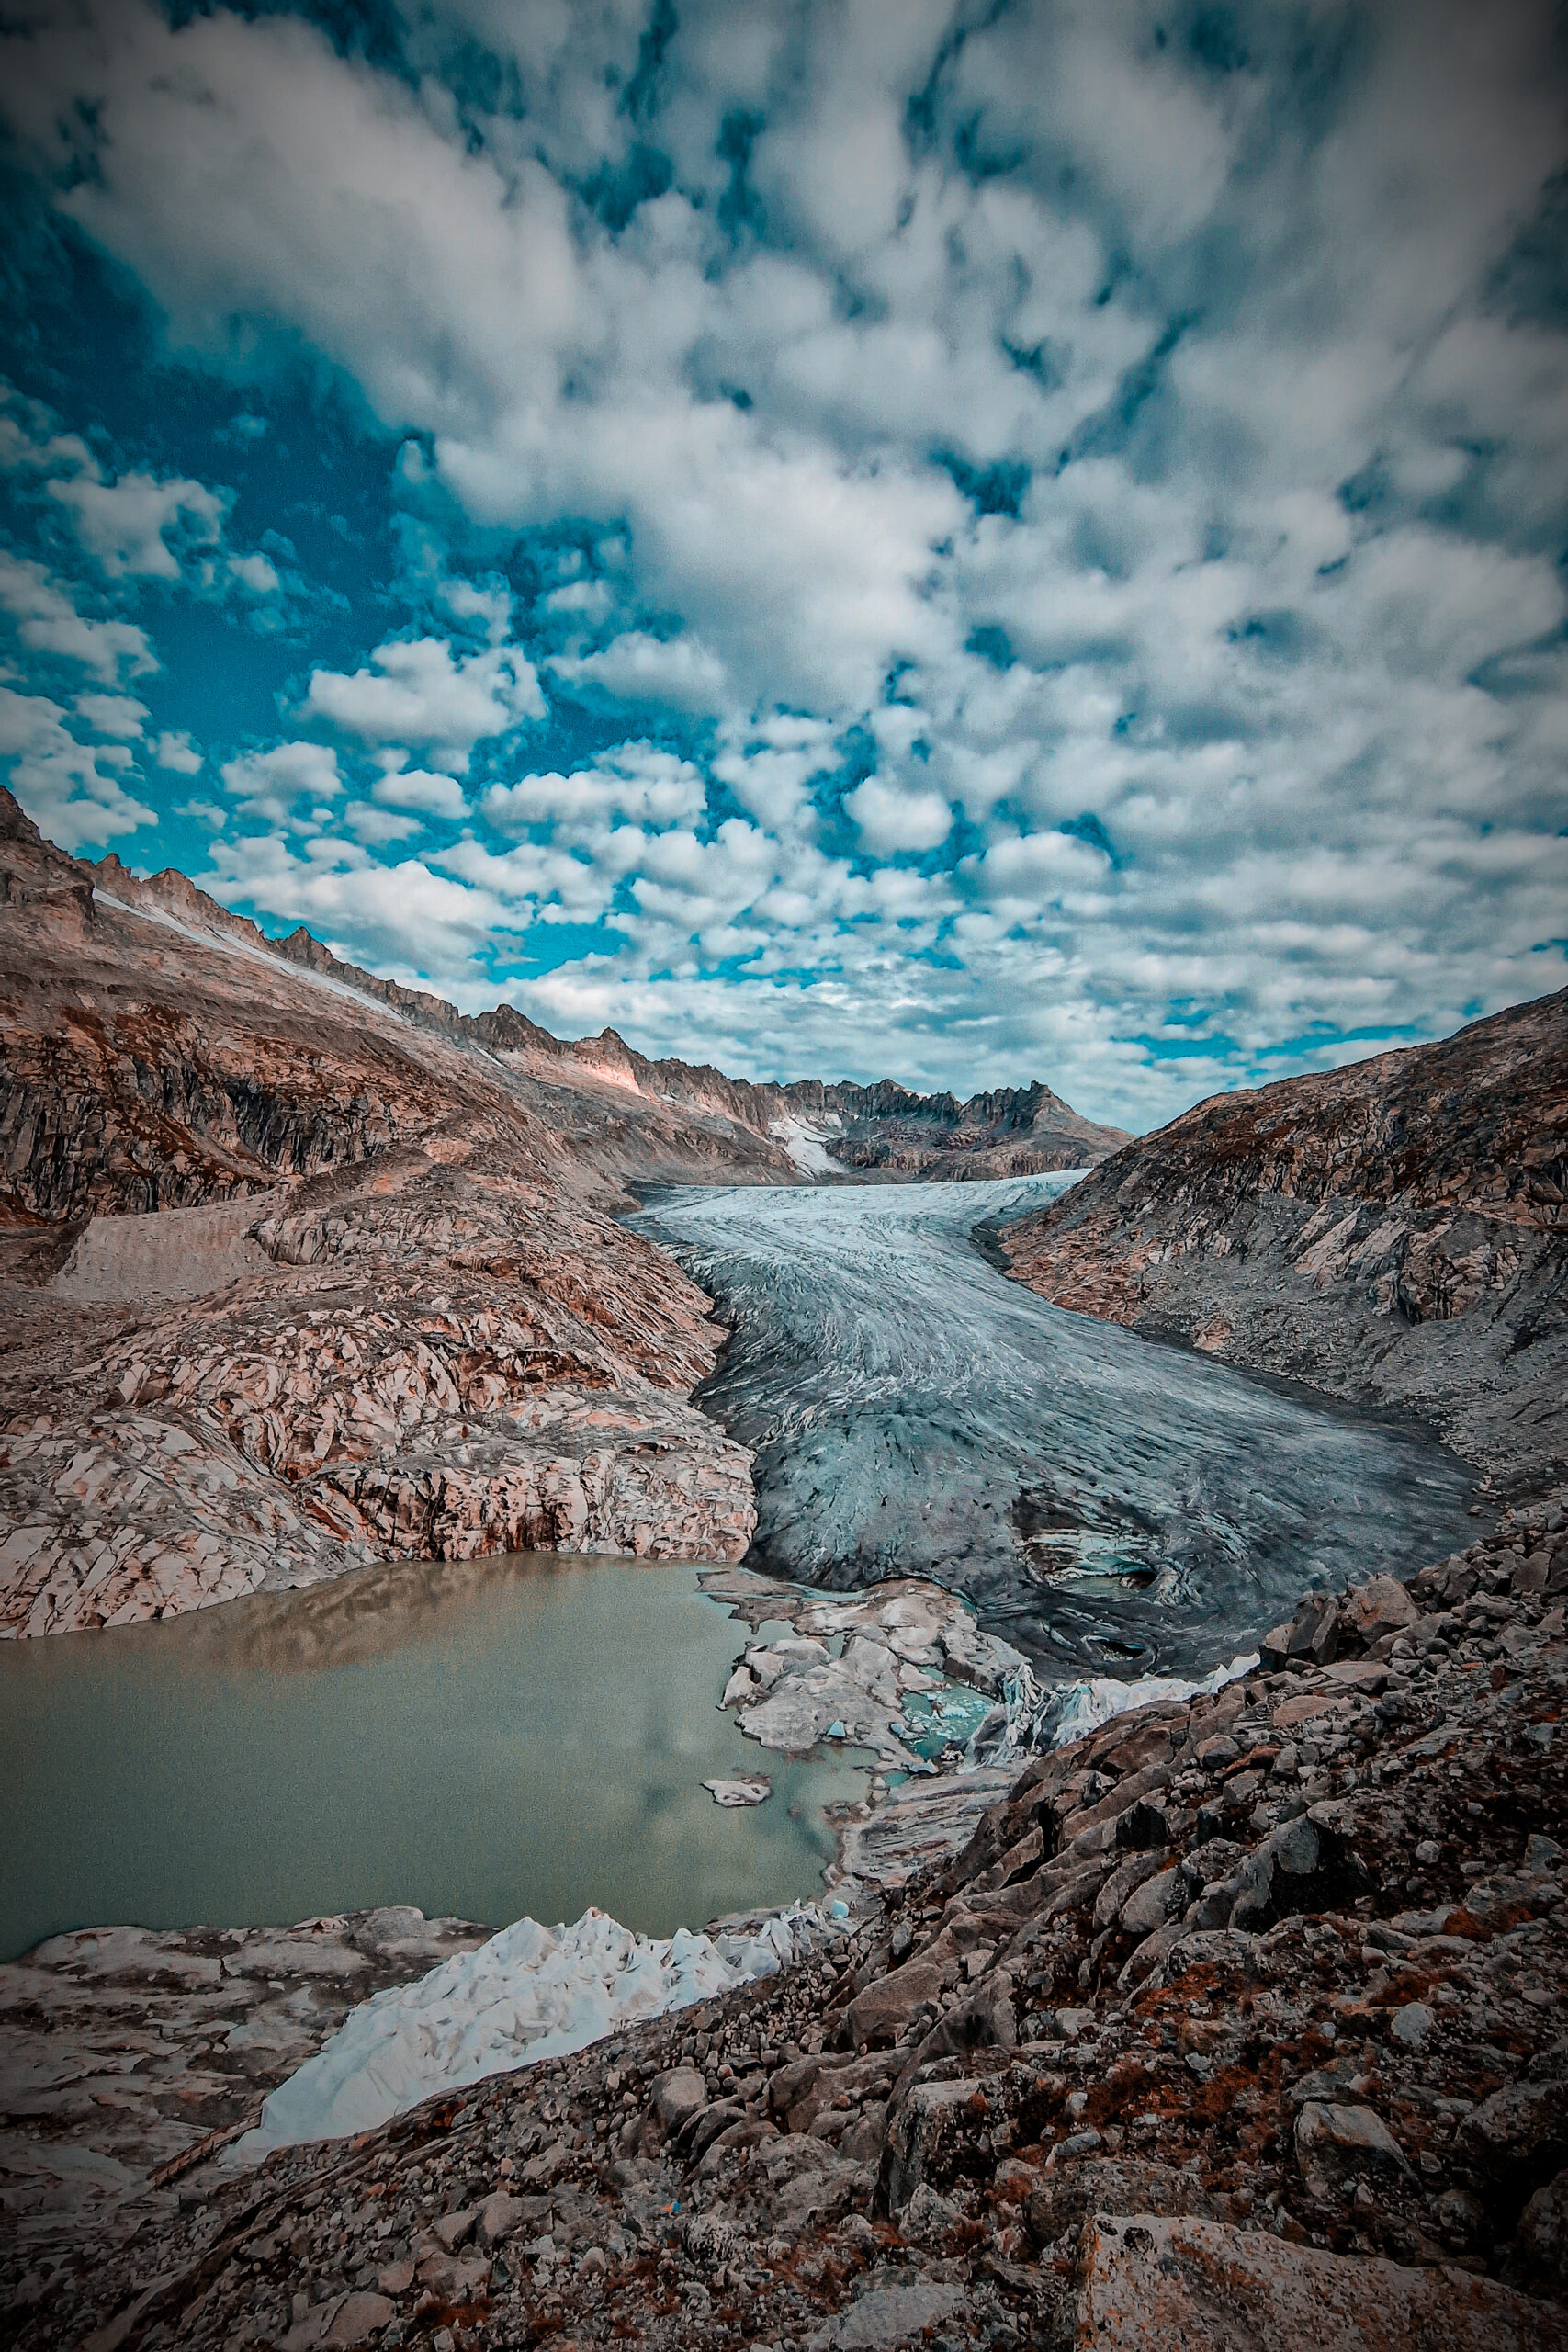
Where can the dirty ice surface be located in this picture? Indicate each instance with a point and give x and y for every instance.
(530, 1993)
(1102, 1500)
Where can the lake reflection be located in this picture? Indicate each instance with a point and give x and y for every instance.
(521, 1734)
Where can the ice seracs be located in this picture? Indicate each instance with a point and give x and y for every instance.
(531, 1992)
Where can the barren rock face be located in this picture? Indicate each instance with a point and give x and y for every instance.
(292, 1281)
(1393, 1232)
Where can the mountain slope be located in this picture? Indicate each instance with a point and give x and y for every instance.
(299, 1266)
(289, 1279)
(1393, 1232)
(879, 1131)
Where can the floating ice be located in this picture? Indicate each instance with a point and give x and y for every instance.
(530, 1993)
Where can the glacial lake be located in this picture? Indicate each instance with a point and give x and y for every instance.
(521, 1734)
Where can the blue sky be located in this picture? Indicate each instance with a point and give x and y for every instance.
(963, 543)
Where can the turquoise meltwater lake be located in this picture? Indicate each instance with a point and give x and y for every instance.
(521, 1734)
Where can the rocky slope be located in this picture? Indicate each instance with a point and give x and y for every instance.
(882, 1130)
(1394, 1232)
(1239, 2021)
(286, 1276)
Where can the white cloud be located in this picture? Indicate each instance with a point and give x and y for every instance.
(126, 526)
(639, 668)
(373, 827)
(891, 821)
(255, 573)
(416, 692)
(177, 752)
(48, 621)
(271, 784)
(73, 791)
(434, 794)
(119, 715)
(650, 787)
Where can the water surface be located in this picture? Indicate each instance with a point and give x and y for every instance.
(520, 1735)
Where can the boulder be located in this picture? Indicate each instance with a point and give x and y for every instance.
(359, 2317)
(1150, 1906)
(1519, 2137)
(887, 2317)
(925, 2135)
(1378, 1607)
(1310, 1638)
(1149, 2282)
(1064, 2199)
(499, 2216)
(1543, 2239)
(678, 2095)
(878, 2016)
(1337, 2146)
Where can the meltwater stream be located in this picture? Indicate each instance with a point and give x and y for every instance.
(1107, 1504)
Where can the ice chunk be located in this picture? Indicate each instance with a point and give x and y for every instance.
(1080, 1707)
(530, 1993)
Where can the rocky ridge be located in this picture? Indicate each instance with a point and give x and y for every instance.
(290, 1281)
(1394, 1233)
(1242, 2017)
(878, 1130)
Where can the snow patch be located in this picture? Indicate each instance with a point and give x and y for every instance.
(806, 1145)
(530, 1993)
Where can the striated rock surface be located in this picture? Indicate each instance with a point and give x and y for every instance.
(1239, 2021)
(1394, 1232)
(290, 1281)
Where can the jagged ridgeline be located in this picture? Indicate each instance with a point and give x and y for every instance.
(386, 1306)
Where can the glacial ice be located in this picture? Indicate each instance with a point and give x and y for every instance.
(530, 1993)
(1108, 1505)
(1076, 1709)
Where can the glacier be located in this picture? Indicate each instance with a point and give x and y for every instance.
(1111, 1506)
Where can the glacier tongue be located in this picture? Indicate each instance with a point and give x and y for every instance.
(530, 1993)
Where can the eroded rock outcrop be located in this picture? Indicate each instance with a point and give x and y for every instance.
(291, 1280)
(1394, 1232)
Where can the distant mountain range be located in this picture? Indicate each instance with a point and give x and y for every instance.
(882, 1130)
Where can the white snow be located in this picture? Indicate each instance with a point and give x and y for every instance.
(805, 1144)
(530, 1993)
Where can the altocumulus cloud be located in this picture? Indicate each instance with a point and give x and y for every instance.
(955, 541)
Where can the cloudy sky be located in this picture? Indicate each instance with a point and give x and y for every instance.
(967, 542)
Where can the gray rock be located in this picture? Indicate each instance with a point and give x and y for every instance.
(1336, 2145)
(1151, 2283)
(887, 2317)
(1151, 1905)
(1544, 2238)
(678, 2095)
